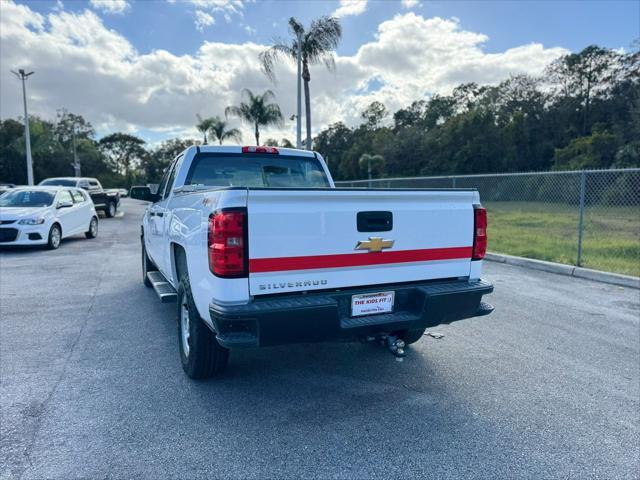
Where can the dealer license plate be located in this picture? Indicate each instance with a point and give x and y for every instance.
(372, 303)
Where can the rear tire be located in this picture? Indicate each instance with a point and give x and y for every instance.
(93, 228)
(147, 266)
(412, 336)
(55, 237)
(111, 210)
(200, 353)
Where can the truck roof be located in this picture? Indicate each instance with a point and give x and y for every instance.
(238, 149)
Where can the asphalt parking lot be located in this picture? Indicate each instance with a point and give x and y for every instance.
(546, 386)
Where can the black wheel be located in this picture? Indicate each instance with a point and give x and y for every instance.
(55, 237)
(411, 336)
(200, 353)
(147, 266)
(93, 228)
(110, 212)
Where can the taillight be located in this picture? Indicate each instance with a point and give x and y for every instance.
(479, 232)
(272, 150)
(227, 252)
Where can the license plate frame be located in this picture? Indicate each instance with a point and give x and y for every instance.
(374, 303)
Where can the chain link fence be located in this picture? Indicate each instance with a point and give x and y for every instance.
(589, 218)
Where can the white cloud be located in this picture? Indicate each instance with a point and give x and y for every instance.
(111, 6)
(82, 65)
(350, 7)
(203, 19)
(409, 3)
(206, 10)
(221, 5)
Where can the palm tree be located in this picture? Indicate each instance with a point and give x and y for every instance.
(257, 111)
(203, 126)
(318, 45)
(220, 132)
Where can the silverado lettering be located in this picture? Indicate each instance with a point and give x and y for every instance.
(306, 283)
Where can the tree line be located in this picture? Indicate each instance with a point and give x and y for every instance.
(117, 160)
(584, 112)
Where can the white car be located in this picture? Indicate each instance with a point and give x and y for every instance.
(45, 215)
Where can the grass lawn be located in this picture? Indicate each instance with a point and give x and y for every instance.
(549, 231)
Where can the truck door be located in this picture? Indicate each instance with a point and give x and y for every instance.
(97, 194)
(152, 235)
(159, 220)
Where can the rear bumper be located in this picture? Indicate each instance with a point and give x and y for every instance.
(326, 316)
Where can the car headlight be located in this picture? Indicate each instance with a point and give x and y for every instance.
(31, 221)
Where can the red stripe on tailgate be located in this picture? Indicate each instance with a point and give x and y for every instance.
(259, 265)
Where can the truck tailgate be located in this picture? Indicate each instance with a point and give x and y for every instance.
(308, 239)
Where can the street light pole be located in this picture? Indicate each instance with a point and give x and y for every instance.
(299, 111)
(27, 138)
(76, 160)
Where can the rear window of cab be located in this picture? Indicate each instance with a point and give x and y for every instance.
(257, 170)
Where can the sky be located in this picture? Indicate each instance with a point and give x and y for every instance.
(148, 67)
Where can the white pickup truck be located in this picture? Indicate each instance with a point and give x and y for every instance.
(260, 248)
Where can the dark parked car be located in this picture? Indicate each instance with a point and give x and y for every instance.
(105, 200)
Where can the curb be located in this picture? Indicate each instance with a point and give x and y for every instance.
(568, 270)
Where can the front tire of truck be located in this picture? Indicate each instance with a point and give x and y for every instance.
(111, 209)
(200, 353)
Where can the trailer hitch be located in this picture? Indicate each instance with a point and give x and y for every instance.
(394, 344)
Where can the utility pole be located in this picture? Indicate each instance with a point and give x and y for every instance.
(76, 160)
(299, 111)
(27, 138)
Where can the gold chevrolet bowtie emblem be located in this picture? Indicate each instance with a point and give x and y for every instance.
(374, 244)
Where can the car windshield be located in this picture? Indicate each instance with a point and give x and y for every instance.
(27, 198)
(266, 170)
(62, 182)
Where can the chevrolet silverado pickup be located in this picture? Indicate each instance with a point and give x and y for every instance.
(258, 247)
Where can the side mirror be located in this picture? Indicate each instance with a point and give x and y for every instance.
(143, 193)
(153, 187)
(66, 204)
